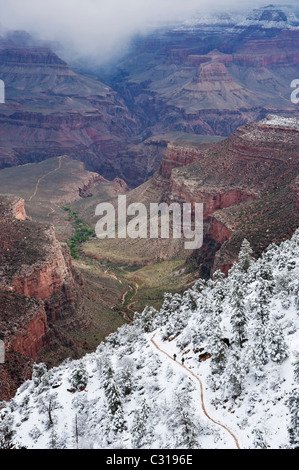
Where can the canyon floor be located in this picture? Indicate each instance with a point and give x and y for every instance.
(118, 279)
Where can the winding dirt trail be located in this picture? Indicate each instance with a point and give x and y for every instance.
(201, 394)
(132, 299)
(128, 308)
(44, 176)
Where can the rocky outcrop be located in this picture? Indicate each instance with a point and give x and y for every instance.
(272, 52)
(248, 184)
(214, 198)
(58, 112)
(294, 187)
(23, 324)
(211, 81)
(15, 208)
(30, 55)
(177, 156)
(38, 284)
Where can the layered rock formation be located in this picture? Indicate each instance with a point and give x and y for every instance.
(177, 156)
(38, 286)
(197, 79)
(50, 110)
(249, 186)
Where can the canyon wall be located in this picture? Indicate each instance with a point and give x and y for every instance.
(248, 185)
(38, 286)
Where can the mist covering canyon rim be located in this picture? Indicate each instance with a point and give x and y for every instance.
(100, 30)
(140, 343)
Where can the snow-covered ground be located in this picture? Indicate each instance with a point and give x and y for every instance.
(280, 121)
(131, 393)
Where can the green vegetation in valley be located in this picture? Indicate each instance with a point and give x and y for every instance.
(83, 232)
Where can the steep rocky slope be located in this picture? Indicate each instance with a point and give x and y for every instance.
(210, 79)
(48, 185)
(249, 186)
(50, 110)
(38, 287)
(233, 383)
(181, 78)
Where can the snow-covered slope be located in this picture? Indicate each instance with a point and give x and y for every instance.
(280, 121)
(270, 17)
(233, 383)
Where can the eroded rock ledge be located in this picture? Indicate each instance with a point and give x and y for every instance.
(38, 286)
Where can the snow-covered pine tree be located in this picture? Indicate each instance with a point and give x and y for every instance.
(124, 374)
(293, 428)
(139, 426)
(79, 376)
(119, 424)
(112, 392)
(259, 441)
(239, 312)
(259, 314)
(203, 327)
(218, 292)
(245, 258)
(235, 373)
(6, 432)
(258, 347)
(39, 370)
(185, 431)
(145, 319)
(277, 348)
(217, 347)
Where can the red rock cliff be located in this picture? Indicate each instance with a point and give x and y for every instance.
(248, 184)
(38, 285)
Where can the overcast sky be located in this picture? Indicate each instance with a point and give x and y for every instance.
(96, 28)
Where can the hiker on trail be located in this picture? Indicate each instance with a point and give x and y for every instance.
(183, 360)
(174, 357)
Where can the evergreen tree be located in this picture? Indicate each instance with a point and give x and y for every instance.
(245, 256)
(39, 370)
(112, 392)
(260, 316)
(234, 374)
(123, 377)
(245, 259)
(139, 426)
(6, 432)
(258, 347)
(259, 441)
(238, 310)
(217, 347)
(186, 434)
(145, 319)
(79, 377)
(218, 293)
(295, 363)
(293, 428)
(277, 347)
(119, 424)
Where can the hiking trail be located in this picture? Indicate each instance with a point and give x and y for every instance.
(201, 393)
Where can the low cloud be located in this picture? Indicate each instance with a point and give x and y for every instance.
(99, 29)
